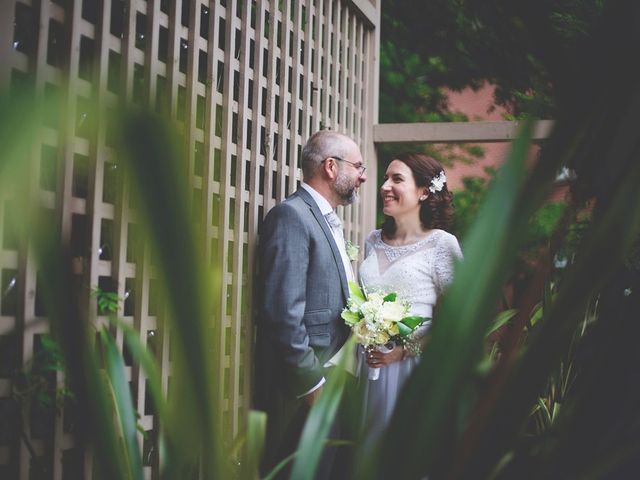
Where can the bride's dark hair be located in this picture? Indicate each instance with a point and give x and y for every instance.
(437, 210)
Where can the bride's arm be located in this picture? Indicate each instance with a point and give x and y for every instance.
(415, 344)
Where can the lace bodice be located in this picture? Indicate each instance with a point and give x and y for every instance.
(417, 272)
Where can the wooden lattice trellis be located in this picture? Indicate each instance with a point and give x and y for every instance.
(246, 82)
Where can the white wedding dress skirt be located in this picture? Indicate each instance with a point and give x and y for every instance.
(417, 273)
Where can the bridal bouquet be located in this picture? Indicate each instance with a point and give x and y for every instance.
(377, 319)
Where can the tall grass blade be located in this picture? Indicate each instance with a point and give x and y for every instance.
(501, 320)
(159, 178)
(148, 364)
(256, 431)
(320, 418)
(125, 413)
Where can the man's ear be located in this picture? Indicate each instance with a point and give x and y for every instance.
(329, 168)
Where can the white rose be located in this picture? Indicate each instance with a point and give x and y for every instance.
(393, 311)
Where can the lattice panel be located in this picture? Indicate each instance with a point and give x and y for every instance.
(246, 83)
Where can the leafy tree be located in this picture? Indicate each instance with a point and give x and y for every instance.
(517, 45)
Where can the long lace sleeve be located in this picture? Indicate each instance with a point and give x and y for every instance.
(446, 254)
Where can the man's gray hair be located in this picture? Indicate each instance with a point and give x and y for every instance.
(321, 145)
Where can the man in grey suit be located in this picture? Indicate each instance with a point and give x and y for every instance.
(302, 290)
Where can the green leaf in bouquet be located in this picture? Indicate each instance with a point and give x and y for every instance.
(413, 321)
(391, 297)
(404, 330)
(356, 295)
(350, 317)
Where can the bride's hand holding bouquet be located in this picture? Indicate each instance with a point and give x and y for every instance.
(380, 321)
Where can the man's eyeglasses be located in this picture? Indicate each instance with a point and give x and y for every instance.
(361, 168)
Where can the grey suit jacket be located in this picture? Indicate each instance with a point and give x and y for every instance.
(302, 290)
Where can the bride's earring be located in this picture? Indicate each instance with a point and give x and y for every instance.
(423, 198)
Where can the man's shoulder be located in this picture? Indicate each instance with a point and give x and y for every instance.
(293, 210)
(294, 204)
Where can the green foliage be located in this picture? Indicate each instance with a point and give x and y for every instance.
(108, 302)
(32, 383)
(456, 417)
(545, 221)
(320, 418)
(524, 48)
(190, 422)
(122, 405)
(407, 94)
(475, 151)
(467, 201)
(458, 425)
(542, 224)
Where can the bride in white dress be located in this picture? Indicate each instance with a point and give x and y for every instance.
(414, 256)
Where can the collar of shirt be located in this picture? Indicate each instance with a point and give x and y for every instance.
(323, 203)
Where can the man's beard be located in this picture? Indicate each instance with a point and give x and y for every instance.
(346, 189)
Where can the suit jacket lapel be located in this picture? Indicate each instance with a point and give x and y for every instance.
(315, 210)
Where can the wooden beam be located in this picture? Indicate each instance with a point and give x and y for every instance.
(455, 132)
(368, 10)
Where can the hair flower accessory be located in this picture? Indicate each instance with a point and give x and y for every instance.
(437, 183)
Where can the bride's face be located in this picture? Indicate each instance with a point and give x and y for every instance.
(399, 192)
